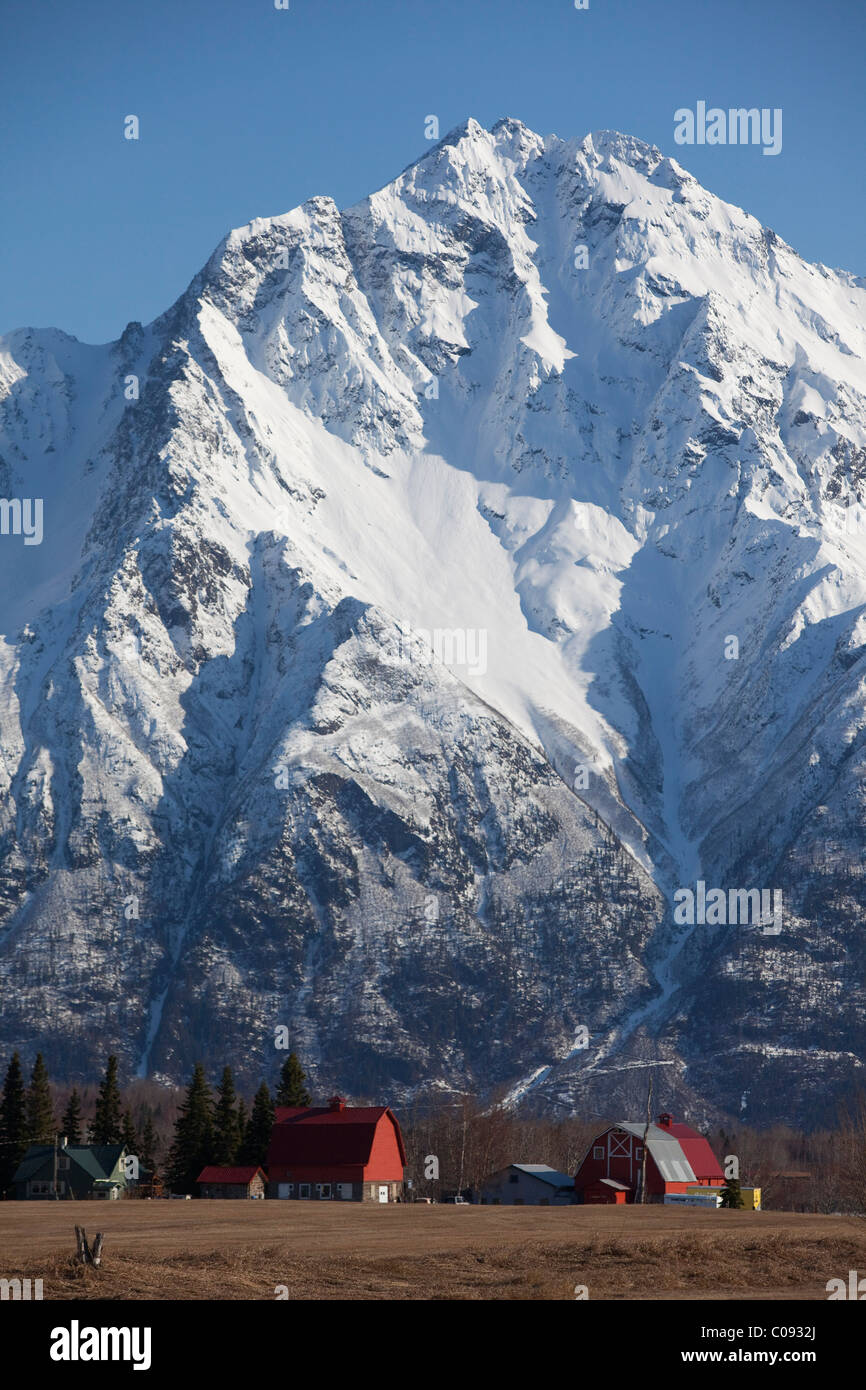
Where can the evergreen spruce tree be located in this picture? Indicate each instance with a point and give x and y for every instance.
(731, 1194)
(243, 1121)
(40, 1105)
(105, 1127)
(192, 1148)
(13, 1122)
(291, 1090)
(70, 1125)
(258, 1131)
(149, 1141)
(129, 1135)
(227, 1134)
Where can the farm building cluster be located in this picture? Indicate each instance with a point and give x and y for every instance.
(340, 1152)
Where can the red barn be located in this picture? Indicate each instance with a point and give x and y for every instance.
(677, 1158)
(339, 1152)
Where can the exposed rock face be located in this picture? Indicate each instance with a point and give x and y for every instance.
(582, 424)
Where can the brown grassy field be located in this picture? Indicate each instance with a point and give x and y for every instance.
(243, 1250)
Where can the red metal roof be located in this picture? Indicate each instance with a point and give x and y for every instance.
(703, 1161)
(319, 1135)
(228, 1175)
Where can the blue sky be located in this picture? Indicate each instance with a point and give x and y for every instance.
(246, 110)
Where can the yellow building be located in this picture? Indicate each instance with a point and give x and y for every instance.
(751, 1195)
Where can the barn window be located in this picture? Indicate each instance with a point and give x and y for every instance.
(323, 1189)
(638, 1153)
(304, 1189)
(513, 1177)
(598, 1151)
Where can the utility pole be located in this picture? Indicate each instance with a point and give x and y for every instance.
(56, 1195)
(462, 1151)
(649, 1111)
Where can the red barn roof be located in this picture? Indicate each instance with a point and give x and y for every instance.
(319, 1135)
(703, 1161)
(213, 1173)
(336, 1143)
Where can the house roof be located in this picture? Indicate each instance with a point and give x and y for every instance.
(323, 1135)
(34, 1159)
(545, 1173)
(243, 1174)
(97, 1160)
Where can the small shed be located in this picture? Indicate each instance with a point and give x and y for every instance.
(227, 1183)
(527, 1185)
(605, 1192)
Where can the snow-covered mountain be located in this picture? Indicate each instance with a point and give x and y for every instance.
(599, 439)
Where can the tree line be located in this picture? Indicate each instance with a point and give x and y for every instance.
(822, 1170)
(212, 1126)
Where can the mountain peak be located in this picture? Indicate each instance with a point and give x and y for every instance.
(379, 648)
(513, 126)
(470, 129)
(627, 149)
(508, 134)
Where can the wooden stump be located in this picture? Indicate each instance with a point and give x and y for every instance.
(84, 1253)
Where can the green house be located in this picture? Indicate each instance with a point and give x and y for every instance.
(83, 1170)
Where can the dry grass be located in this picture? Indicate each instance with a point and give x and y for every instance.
(235, 1250)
